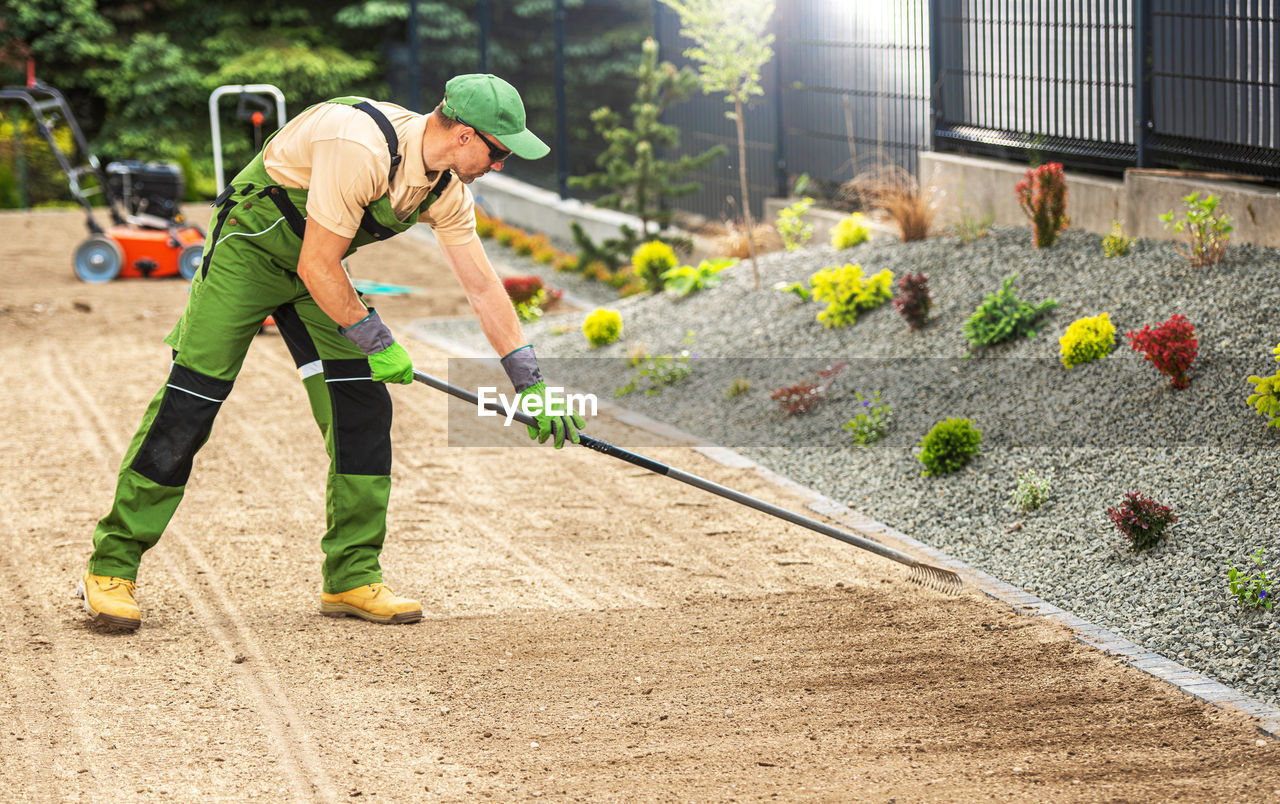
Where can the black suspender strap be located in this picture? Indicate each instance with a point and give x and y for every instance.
(393, 142)
(280, 197)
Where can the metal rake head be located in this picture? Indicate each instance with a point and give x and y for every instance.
(936, 578)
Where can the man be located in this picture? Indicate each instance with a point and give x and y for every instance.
(342, 174)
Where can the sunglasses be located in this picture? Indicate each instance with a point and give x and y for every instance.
(496, 154)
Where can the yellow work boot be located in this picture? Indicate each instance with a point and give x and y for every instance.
(374, 602)
(109, 601)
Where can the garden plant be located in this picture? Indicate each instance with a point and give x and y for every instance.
(1266, 394)
(1042, 194)
(1002, 316)
(1206, 231)
(948, 446)
(1141, 520)
(846, 292)
(1087, 339)
(1171, 347)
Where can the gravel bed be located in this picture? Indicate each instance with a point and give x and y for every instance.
(1099, 430)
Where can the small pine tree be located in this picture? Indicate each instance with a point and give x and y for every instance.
(637, 179)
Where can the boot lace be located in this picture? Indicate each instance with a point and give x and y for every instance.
(130, 586)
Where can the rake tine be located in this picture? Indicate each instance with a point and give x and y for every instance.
(936, 578)
(932, 577)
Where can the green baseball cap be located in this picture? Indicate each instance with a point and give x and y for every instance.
(491, 105)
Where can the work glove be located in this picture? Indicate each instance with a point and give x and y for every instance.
(549, 425)
(521, 366)
(388, 361)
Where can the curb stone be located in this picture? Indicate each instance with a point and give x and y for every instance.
(1186, 680)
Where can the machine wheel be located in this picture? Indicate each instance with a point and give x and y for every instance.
(99, 259)
(190, 260)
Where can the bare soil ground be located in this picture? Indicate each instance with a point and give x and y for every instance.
(593, 631)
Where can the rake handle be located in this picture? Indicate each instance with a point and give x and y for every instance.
(614, 451)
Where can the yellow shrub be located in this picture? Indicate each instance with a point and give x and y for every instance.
(1087, 339)
(602, 327)
(850, 232)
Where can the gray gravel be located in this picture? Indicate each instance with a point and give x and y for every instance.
(1099, 430)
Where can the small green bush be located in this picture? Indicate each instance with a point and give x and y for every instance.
(971, 226)
(1253, 591)
(1207, 232)
(686, 279)
(602, 327)
(1087, 339)
(1116, 244)
(794, 230)
(1266, 394)
(949, 446)
(871, 422)
(798, 288)
(850, 232)
(737, 388)
(1002, 316)
(1031, 492)
(846, 292)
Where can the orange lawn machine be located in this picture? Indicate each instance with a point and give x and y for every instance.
(149, 237)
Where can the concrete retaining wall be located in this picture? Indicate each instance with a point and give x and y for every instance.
(539, 210)
(986, 186)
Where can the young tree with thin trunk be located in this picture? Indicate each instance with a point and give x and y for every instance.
(731, 46)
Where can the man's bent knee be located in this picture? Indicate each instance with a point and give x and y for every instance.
(181, 426)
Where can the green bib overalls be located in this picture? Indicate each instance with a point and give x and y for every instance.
(249, 271)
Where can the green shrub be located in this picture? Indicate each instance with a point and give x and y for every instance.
(871, 422)
(949, 446)
(686, 279)
(794, 230)
(1116, 244)
(1087, 339)
(850, 232)
(1253, 591)
(651, 261)
(798, 288)
(846, 292)
(1266, 394)
(1031, 492)
(658, 371)
(971, 227)
(1002, 316)
(602, 327)
(737, 388)
(1207, 232)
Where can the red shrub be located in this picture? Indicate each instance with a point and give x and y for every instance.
(522, 289)
(1042, 194)
(807, 394)
(1141, 519)
(1171, 347)
(913, 300)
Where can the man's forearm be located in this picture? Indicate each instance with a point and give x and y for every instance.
(488, 298)
(332, 290)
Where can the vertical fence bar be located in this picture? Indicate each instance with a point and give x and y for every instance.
(1142, 78)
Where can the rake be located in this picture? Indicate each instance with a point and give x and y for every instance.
(936, 578)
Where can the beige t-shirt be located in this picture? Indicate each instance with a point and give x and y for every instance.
(338, 154)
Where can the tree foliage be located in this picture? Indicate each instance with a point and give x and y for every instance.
(731, 45)
(637, 178)
(138, 73)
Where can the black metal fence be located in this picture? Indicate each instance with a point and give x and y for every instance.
(1098, 84)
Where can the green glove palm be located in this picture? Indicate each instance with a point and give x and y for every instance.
(549, 425)
(392, 364)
